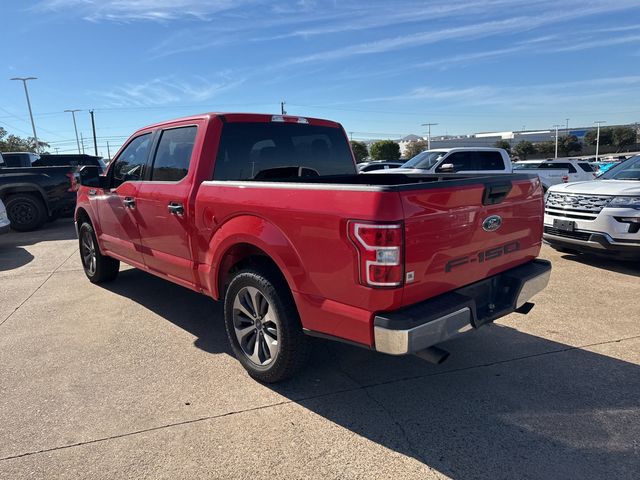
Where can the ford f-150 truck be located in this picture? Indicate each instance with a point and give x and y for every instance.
(268, 214)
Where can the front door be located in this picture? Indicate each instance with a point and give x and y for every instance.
(118, 226)
(162, 203)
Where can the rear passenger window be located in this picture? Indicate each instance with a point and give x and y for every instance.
(490, 161)
(587, 167)
(173, 154)
(559, 166)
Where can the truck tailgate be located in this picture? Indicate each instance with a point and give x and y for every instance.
(457, 235)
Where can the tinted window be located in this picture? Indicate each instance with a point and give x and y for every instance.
(490, 161)
(469, 161)
(129, 165)
(559, 165)
(587, 167)
(173, 154)
(424, 160)
(264, 151)
(525, 166)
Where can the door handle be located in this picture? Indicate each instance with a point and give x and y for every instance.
(129, 202)
(176, 208)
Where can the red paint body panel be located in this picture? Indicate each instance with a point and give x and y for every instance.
(303, 229)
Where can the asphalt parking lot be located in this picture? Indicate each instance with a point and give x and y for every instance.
(134, 379)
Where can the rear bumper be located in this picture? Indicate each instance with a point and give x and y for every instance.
(428, 323)
(593, 242)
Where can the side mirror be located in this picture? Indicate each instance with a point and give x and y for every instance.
(446, 168)
(89, 176)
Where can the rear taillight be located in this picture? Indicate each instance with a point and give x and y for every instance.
(73, 181)
(379, 249)
(565, 179)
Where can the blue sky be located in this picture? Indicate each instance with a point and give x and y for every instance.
(381, 68)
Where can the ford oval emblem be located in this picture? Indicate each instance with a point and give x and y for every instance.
(492, 223)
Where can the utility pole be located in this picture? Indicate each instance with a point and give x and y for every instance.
(599, 122)
(556, 127)
(108, 151)
(24, 81)
(282, 110)
(93, 126)
(351, 136)
(73, 114)
(567, 129)
(82, 141)
(428, 125)
(56, 149)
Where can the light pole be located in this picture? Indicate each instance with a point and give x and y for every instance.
(24, 81)
(599, 122)
(556, 127)
(73, 114)
(429, 134)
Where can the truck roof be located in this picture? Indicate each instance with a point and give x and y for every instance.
(247, 117)
(472, 149)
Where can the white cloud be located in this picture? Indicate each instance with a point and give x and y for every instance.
(143, 10)
(166, 91)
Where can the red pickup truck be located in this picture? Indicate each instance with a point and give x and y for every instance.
(268, 214)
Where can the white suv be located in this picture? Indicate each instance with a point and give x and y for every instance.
(562, 170)
(601, 216)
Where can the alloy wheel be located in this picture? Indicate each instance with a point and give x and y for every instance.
(88, 252)
(256, 326)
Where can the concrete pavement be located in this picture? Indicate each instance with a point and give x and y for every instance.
(134, 379)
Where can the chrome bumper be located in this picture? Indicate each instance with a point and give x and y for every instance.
(428, 323)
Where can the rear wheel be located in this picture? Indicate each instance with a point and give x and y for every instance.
(263, 325)
(97, 267)
(26, 212)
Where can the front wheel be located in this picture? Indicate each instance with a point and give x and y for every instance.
(263, 325)
(97, 267)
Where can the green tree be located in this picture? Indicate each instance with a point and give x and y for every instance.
(385, 150)
(622, 137)
(414, 148)
(547, 149)
(13, 143)
(606, 136)
(504, 144)
(568, 144)
(524, 148)
(359, 150)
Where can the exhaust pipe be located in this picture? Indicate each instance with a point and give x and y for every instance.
(433, 355)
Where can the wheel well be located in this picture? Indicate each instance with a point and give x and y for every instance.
(239, 257)
(7, 192)
(82, 217)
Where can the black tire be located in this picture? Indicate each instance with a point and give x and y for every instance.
(97, 267)
(280, 321)
(26, 212)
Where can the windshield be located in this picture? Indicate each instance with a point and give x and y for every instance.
(424, 160)
(629, 170)
(526, 166)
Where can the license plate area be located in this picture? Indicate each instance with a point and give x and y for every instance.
(565, 225)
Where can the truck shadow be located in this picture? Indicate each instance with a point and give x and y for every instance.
(506, 405)
(626, 267)
(12, 253)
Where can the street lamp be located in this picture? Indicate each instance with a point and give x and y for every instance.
(556, 127)
(73, 114)
(429, 134)
(24, 81)
(599, 122)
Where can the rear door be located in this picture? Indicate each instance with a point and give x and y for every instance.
(162, 202)
(459, 232)
(118, 227)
